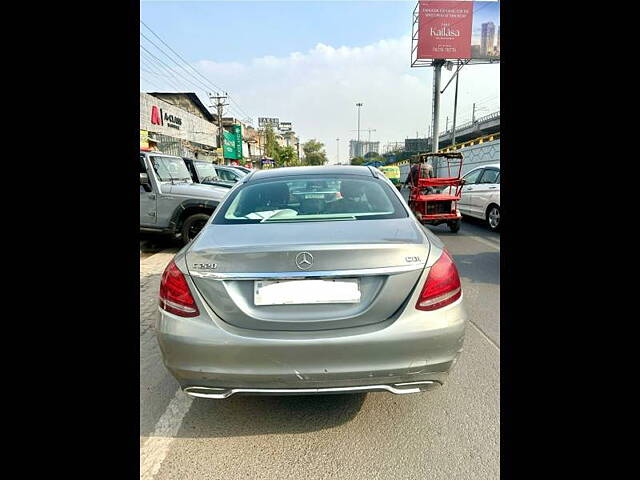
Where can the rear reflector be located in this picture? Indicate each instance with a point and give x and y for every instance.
(442, 286)
(175, 296)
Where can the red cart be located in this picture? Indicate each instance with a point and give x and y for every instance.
(435, 200)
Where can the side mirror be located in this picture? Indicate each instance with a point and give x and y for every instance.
(144, 179)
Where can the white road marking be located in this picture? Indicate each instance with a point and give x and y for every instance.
(156, 448)
(485, 242)
(486, 337)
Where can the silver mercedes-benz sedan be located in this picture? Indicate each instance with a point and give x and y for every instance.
(311, 280)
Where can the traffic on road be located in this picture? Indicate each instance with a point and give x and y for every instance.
(306, 313)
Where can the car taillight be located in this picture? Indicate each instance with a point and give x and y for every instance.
(442, 286)
(175, 296)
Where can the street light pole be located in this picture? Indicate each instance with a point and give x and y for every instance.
(338, 151)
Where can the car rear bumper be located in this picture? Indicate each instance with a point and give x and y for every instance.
(215, 360)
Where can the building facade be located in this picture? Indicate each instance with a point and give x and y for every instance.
(487, 39)
(176, 125)
(361, 148)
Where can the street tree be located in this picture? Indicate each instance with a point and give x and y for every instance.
(271, 145)
(314, 153)
(357, 161)
(287, 156)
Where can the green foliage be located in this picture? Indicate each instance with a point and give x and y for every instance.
(358, 161)
(287, 156)
(271, 145)
(314, 153)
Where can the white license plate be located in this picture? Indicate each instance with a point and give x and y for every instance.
(299, 292)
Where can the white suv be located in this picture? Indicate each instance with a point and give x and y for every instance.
(481, 195)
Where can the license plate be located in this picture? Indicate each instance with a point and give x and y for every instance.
(300, 292)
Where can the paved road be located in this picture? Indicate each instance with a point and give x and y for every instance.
(450, 433)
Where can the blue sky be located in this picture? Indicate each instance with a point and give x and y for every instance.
(309, 63)
(242, 30)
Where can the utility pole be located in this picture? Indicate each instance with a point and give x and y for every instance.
(473, 114)
(338, 151)
(219, 106)
(359, 104)
(446, 129)
(455, 101)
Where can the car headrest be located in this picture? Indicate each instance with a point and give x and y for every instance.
(351, 189)
(274, 193)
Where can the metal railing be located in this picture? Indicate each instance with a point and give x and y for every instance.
(478, 121)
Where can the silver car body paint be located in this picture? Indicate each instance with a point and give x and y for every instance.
(381, 342)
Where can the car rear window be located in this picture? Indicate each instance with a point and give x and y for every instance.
(314, 198)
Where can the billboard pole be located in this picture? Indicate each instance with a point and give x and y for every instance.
(437, 74)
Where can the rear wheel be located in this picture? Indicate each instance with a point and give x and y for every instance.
(454, 225)
(493, 218)
(192, 226)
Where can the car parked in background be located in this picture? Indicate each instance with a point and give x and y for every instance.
(242, 169)
(481, 195)
(229, 174)
(292, 289)
(205, 172)
(170, 203)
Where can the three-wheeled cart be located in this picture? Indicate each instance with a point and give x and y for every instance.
(435, 200)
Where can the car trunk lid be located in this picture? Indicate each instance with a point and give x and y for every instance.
(386, 257)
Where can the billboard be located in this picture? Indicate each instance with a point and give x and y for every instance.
(233, 143)
(457, 30)
(263, 122)
(285, 126)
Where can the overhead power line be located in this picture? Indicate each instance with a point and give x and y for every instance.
(207, 85)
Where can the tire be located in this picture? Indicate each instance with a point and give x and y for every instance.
(493, 218)
(192, 226)
(454, 225)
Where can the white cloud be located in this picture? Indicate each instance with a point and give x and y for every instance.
(317, 91)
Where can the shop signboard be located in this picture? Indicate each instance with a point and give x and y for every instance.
(144, 139)
(233, 143)
(263, 122)
(238, 134)
(458, 30)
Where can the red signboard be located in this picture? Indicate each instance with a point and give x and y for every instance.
(156, 116)
(444, 29)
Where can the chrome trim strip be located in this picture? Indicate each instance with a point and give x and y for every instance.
(226, 393)
(364, 272)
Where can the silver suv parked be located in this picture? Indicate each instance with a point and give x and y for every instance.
(170, 203)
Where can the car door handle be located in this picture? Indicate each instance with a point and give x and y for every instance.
(492, 188)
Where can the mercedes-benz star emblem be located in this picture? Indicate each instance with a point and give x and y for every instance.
(304, 260)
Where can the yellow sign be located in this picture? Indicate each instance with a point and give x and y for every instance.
(144, 139)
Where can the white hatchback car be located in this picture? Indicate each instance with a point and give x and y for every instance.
(481, 195)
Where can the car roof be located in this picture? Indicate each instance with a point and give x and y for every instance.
(315, 170)
(194, 160)
(491, 165)
(160, 154)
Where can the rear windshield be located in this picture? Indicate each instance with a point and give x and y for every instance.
(169, 168)
(206, 171)
(314, 198)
